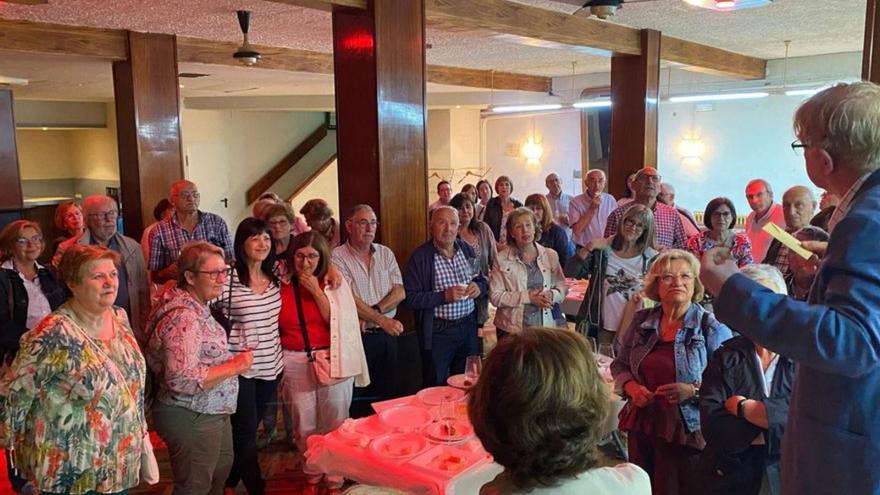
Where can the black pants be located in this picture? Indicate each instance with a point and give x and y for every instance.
(451, 343)
(253, 397)
(672, 468)
(381, 351)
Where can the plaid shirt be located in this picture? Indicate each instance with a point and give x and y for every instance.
(371, 283)
(448, 273)
(169, 238)
(668, 230)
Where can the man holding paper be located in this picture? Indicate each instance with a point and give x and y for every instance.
(798, 206)
(832, 440)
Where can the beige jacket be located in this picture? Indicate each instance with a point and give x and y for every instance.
(508, 289)
(347, 357)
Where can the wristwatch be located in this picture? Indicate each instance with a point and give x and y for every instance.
(377, 308)
(741, 408)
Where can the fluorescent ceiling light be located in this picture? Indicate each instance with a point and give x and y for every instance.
(802, 92)
(526, 108)
(592, 104)
(717, 97)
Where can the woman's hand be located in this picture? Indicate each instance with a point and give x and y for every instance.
(640, 395)
(310, 283)
(538, 298)
(676, 392)
(243, 361)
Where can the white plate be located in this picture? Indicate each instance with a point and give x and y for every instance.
(446, 460)
(461, 430)
(460, 381)
(406, 418)
(435, 395)
(399, 446)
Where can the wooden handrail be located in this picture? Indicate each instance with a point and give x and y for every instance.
(286, 163)
(311, 178)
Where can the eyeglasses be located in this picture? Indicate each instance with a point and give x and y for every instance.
(303, 257)
(633, 223)
(686, 278)
(650, 177)
(215, 275)
(278, 223)
(363, 223)
(798, 147)
(24, 241)
(189, 195)
(106, 215)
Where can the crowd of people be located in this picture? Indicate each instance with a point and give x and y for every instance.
(203, 335)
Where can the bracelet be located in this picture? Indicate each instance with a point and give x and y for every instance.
(741, 408)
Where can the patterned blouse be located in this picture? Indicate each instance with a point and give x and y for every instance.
(185, 341)
(74, 407)
(741, 249)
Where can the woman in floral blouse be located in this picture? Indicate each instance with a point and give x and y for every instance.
(73, 400)
(195, 372)
(720, 218)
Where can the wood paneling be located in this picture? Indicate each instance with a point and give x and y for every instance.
(871, 52)
(635, 82)
(57, 38)
(711, 60)
(220, 53)
(285, 164)
(475, 78)
(148, 126)
(10, 176)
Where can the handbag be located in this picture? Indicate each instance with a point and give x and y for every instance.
(149, 471)
(319, 360)
(217, 311)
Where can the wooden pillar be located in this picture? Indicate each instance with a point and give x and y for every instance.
(871, 52)
(148, 126)
(10, 177)
(379, 74)
(635, 80)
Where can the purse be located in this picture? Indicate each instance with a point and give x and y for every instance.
(319, 361)
(217, 311)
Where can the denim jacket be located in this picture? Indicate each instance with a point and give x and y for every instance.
(696, 341)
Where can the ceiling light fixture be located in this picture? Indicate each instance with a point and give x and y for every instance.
(245, 53)
(526, 108)
(725, 4)
(802, 92)
(718, 97)
(601, 103)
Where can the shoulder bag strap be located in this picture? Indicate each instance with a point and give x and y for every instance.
(302, 317)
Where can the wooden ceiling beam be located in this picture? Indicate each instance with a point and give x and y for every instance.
(66, 40)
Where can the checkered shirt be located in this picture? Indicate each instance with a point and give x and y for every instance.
(447, 273)
(169, 237)
(668, 230)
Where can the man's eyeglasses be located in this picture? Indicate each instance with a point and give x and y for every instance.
(363, 223)
(215, 275)
(24, 241)
(798, 147)
(106, 215)
(189, 195)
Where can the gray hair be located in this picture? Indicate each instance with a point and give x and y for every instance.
(767, 275)
(844, 120)
(356, 208)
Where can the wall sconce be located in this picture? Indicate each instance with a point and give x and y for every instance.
(532, 150)
(691, 149)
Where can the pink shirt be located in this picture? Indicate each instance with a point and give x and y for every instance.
(755, 230)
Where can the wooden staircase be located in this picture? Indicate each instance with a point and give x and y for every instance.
(287, 163)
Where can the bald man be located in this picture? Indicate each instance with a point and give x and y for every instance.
(759, 194)
(186, 224)
(588, 212)
(667, 197)
(798, 206)
(100, 213)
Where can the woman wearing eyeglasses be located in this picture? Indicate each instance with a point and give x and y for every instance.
(720, 218)
(317, 320)
(196, 374)
(660, 366)
(31, 290)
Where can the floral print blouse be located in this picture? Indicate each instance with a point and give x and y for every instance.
(741, 250)
(73, 407)
(185, 341)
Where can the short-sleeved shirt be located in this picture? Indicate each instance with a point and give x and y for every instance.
(755, 229)
(559, 206)
(623, 278)
(371, 283)
(579, 206)
(169, 238)
(668, 230)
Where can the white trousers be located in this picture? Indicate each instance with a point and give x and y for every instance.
(314, 410)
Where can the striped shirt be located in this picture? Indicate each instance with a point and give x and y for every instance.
(255, 325)
(448, 273)
(370, 283)
(169, 237)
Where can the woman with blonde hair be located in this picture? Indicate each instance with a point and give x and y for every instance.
(660, 367)
(550, 235)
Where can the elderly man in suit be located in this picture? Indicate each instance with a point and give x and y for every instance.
(832, 440)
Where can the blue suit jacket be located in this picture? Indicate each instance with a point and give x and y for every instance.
(832, 441)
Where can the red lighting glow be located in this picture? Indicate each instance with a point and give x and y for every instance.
(358, 41)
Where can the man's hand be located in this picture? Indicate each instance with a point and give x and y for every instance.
(333, 278)
(455, 293)
(715, 268)
(391, 326)
(731, 404)
(538, 298)
(472, 291)
(596, 202)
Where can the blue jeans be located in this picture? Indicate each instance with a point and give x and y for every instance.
(452, 342)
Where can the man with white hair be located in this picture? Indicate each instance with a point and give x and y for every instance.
(667, 197)
(133, 296)
(832, 439)
(588, 212)
(559, 202)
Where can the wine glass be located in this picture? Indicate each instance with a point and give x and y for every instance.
(248, 340)
(474, 268)
(607, 350)
(473, 367)
(594, 346)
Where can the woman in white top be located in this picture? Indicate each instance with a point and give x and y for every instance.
(252, 299)
(538, 408)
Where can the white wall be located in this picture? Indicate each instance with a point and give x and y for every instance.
(227, 151)
(558, 133)
(325, 186)
(453, 137)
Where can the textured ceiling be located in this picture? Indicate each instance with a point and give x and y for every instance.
(813, 26)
